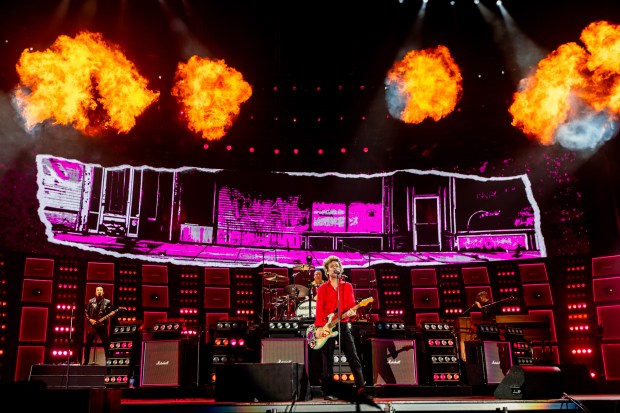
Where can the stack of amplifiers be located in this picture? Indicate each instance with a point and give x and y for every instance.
(487, 361)
(168, 363)
(124, 352)
(441, 353)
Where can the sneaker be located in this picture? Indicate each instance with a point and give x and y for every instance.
(330, 397)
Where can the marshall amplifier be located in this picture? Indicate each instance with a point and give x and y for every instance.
(169, 363)
(284, 350)
(487, 361)
(393, 362)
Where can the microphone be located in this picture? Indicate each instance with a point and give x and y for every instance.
(339, 274)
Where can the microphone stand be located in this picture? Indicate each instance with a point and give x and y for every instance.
(338, 314)
(200, 331)
(69, 346)
(262, 296)
(311, 279)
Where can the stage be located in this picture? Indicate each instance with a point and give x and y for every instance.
(393, 399)
(30, 396)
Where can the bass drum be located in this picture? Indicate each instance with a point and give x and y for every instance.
(306, 309)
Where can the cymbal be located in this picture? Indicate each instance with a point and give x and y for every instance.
(273, 277)
(267, 274)
(296, 289)
(303, 267)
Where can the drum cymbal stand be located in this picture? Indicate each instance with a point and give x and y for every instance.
(310, 297)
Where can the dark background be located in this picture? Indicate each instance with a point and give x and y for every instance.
(298, 46)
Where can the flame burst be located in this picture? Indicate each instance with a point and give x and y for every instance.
(82, 81)
(210, 94)
(569, 87)
(426, 84)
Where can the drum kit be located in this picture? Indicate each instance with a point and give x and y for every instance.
(295, 300)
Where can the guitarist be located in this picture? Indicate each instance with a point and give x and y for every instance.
(97, 308)
(326, 310)
(484, 304)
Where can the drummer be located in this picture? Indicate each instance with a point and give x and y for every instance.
(318, 280)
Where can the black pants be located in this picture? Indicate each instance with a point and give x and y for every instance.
(347, 346)
(102, 332)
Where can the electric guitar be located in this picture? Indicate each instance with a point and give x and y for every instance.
(93, 327)
(317, 336)
(511, 298)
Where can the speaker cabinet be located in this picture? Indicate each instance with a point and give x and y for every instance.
(487, 361)
(393, 362)
(169, 363)
(39, 268)
(531, 382)
(264, 382)
(284, 350)
(77, 377)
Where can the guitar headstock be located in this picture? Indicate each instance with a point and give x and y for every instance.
(366, 301)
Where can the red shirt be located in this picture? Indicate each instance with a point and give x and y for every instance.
(327, 301)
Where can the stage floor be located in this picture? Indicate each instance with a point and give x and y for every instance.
(462, 400)
(31, 397)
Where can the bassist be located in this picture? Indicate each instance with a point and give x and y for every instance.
(96, 309)
(326, 303)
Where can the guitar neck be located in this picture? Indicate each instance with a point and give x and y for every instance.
(342, 316)
(498, 301)
(110, 314)
(105, 317)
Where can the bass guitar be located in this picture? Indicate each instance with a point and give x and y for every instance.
(317, 336)
(93, 327)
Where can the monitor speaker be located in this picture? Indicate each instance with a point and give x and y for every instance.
(531, 382)
(167, 363)
(261, 382)
(487, 361)
(393, 362)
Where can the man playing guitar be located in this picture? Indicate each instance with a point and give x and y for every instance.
(97, 311)
(332, 294)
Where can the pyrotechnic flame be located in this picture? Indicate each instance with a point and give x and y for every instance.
(85, 82)
(424, 84)
(210, 94)
(574, 95)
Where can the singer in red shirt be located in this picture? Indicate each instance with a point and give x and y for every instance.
(327, 303)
